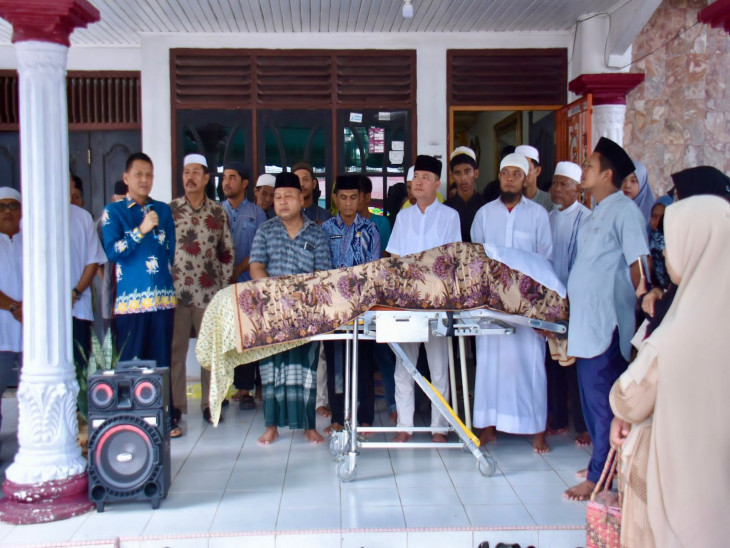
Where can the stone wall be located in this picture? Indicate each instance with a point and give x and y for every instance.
(679, 116)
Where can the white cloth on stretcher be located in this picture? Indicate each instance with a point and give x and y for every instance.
(535, 266)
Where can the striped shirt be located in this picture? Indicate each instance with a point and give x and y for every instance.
(281, 255)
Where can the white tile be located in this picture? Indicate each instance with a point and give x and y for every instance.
(531, 477)
(442, 539)
(59, 531)
(429, 516)
(246, 480)
(417, 478)
(303, 519)
(309, 540)
(237, 541)
(562, 539)
(173, 542)
(312, 495)
(490, 494)
(428, 496)
(498, 515)
(195, 480)
(523, 538)
(373, 517)
(563, 512)
(354, 493)
(236, 516)
(184, 513)
(375, 540)
(117, 520)
(547, 493)
(473, 477)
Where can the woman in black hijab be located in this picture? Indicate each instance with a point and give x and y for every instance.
(688, 182)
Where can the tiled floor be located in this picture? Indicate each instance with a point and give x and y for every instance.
(228, 491)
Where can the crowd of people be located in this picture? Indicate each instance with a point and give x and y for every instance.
(622, 253)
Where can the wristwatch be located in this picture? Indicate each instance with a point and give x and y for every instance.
(13, 308)
(76, 292)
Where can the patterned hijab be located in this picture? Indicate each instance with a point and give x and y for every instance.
(645, 198)
(688, 473)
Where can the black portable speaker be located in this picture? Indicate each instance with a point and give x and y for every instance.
(129, 435)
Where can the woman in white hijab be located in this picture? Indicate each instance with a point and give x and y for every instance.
(672, 403)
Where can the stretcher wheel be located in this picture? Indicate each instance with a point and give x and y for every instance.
(338, 443)
(346, 470)
(486, 466)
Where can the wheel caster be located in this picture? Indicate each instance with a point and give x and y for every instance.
(346, 471)
(338, 443)
(486, 466)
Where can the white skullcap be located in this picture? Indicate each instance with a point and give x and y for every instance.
(266, 179)
(411, 173)
(8, 193)
(569, 170)
(515, 160)
(528, 152)
(466, 151)
(195, 159)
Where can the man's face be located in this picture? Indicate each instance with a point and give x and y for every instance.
(532, 174)
(264, 196)
(307, 182)
(564, 191)
(363, 202)
(347, 202)
(425, 185)
(592, 174)
(139, 179)
(194, 179)
(288, 203)
(511, 179)
(233, 185)
(465, 177)
(10, 214)
(76, 197)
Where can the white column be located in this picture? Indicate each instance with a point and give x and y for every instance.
(47, 425)
(608, 121)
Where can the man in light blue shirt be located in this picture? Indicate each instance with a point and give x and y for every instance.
(601, 286)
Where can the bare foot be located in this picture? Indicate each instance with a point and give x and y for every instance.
(582, 491)
(439, 438)
(488, 434)
(334, 427)
(557, 431)
(583, 440)
(366, 425)
(269, 436)
(313, 436)
(581, 474)
(324, 411)
(393, 417)
(402, 437)
(539, 445)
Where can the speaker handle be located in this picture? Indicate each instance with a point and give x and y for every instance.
(136, 364)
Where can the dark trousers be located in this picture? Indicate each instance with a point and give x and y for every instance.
(81, 341)
(595, 379)
(562, 386)
(146, 336)
(334, 353)
(246, 376)
(385, 360)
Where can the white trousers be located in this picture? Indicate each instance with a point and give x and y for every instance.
(438, 366)
(510, 391)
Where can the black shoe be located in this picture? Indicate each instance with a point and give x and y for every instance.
(207, 417)
(247, 403)
(225, 403)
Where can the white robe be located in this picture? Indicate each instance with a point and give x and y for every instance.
(511, 387)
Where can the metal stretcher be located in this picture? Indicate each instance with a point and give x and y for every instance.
(414, 326)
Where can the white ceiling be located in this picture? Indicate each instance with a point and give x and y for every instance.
(124, 21)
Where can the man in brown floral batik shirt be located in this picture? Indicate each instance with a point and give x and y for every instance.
(203, 264)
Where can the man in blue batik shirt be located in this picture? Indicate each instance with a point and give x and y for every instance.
(354, 240)
(244, 218)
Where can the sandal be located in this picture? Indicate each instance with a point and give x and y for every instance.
(176, 432)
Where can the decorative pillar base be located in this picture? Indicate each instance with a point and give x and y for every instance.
(44, 502)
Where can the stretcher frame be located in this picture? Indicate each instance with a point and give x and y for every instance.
(415, 326)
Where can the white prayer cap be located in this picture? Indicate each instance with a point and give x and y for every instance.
(466, 151)
(515, 160)
(266, 179)
(528, 152)
(411, 173)
(195, 159)
(569, 170)
(8, 193)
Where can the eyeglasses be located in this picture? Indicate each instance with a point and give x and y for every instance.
(12, 206)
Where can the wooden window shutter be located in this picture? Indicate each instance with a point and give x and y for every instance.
(376, 80)
(212, 78)
(8, 100)
(293, 78)
(507, 77)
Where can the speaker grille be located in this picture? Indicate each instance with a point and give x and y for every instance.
(102, 395)
(148, 393)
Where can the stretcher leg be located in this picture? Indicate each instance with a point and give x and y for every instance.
(452, 376)
(465, 381)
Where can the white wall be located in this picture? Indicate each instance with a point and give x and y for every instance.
(153, 57)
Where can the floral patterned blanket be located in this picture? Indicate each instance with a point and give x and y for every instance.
(249, 321)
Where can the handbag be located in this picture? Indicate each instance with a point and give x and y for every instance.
(603, 516)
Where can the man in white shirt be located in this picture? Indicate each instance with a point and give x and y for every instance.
(565, 220)
(510, 392)
(86, 256)
(11, 290)
(427, 225)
